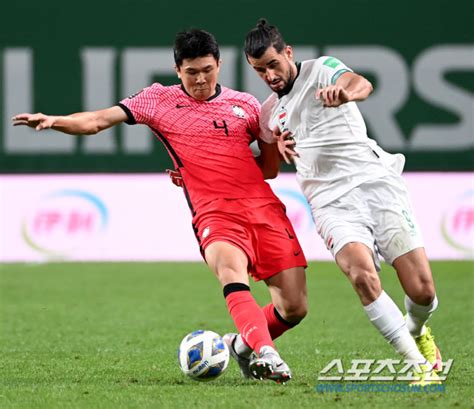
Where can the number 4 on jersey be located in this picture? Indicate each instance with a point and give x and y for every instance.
(223, 126)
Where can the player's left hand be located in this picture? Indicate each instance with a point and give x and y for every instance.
(175, 177)
(286, 144)
(37, 121)
(333, 96)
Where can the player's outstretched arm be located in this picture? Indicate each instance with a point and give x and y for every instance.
(81, 123)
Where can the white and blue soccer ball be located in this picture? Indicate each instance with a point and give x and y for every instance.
(203, 355)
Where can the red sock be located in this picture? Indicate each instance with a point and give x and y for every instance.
(276, 324)
(249, 319)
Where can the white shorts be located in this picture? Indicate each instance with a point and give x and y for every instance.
(376, 213)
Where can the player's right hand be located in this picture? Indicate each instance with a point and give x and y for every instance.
(175, 177)
(286, 145)
(333, 95)
(38, 121)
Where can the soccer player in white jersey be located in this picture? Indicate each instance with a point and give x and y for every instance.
(358, 198)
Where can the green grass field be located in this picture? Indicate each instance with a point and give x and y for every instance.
(106, 336)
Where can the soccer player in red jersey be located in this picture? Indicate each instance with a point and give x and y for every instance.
(240, 224)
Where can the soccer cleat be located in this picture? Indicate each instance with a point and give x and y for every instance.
(426, 376)
(269, 365)
(243, 361)
(429, 350)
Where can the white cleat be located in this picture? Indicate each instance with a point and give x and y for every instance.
(269, 365)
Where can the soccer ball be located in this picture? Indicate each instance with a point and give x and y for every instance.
(203, 355)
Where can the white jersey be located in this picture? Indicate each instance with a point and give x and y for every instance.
(335, 154)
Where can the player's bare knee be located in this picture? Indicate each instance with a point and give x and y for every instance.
(425, 293)
(367, 290)
(356, 266)
(366, 283)
(228, 274)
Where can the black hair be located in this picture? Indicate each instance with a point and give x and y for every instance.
(262, 37)
(194, 43)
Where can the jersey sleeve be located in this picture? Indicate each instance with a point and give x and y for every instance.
(266, 133)
(253, 118)
(142, 106)
(332, 69)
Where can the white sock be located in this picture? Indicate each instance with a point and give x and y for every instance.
(418, 315)
(388, 319)
(241, 347)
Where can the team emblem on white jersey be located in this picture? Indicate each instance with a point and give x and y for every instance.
(282, 118)
(238, 111)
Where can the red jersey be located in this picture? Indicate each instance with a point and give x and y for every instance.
(207, 140)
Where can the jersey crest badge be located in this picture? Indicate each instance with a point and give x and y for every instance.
(238, 111)
(282, 118)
